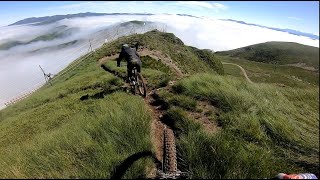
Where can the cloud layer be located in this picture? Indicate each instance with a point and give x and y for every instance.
(201, 4)
(220, 35)
(19, 69)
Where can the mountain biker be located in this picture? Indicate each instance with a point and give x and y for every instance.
(131, 56)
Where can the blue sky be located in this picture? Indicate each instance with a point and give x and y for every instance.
(298, 15)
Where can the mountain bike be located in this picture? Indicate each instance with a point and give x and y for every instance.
(137, 82)
(170, 165)
(168, 169)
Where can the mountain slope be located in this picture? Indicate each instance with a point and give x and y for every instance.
(265, 129)
(278, 75)
(55, 33)
(85, 125)
(189, 59)
(58, 133)
(278, 53)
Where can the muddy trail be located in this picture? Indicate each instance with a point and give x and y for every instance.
(158, 109)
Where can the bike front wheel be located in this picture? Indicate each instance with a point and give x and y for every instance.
(170, 156)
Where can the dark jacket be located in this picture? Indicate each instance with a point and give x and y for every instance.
(129, 54)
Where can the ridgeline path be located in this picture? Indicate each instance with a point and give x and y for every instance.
(243, 71)
(158, 111)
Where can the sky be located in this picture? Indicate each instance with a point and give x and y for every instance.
(298, 15)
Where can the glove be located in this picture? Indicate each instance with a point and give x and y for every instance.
(296, 176)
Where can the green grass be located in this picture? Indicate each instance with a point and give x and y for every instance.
(132, 23)
(46, 37)
(10, 44)
(155, 78)
(265, 129)
(232, 70)
(54, 134)
(188, 59)
(150, 63)
(65, 139)
(267, 73)
(278, 53)
(170, 99)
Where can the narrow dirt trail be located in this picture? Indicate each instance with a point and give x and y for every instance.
(108, 58)
(157, 126)
(158, 111)
(243, 71)
(165, 59)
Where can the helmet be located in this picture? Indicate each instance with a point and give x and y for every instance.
(125, 45)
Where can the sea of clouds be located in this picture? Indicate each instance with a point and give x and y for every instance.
(19, 66)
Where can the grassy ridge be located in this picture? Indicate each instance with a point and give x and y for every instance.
(278, 53)
(54, 134)
(267, 73)
(57, 32)
(279, 131)
(10, 44)
(264, 129)
(220, 156)
(187, 58)
(88, 143)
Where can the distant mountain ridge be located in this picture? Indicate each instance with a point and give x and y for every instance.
(290, 31)
(282, 53)
(57, 32)
(51, 19)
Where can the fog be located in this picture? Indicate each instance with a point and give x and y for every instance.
(19, 66)
(221, 35)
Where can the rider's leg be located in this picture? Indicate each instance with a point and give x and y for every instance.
(129, 71)
(139, 67)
